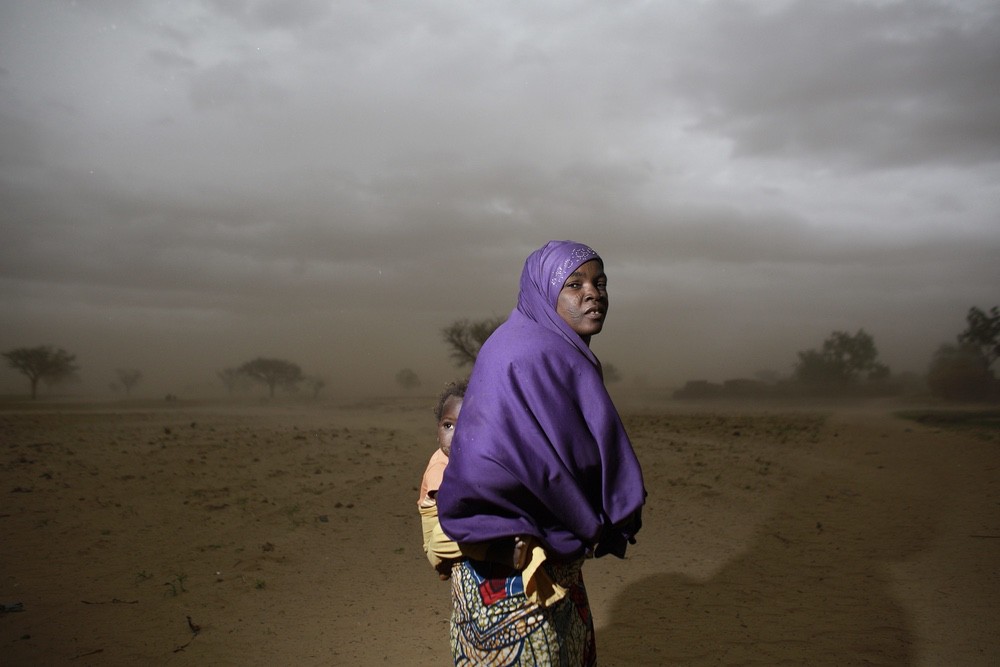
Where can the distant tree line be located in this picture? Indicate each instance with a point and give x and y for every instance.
(844, 364)
(49, 365)
(848, 364)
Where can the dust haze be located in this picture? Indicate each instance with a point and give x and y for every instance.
(187, 186)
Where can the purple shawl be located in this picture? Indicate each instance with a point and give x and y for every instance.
(540, 449)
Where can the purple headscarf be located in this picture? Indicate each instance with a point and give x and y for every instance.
(540, 449)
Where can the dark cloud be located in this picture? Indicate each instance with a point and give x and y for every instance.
(874, 85)
(231, 85)
(272, 14)
(170, 61)
(186, 184)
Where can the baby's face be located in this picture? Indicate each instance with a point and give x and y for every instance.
(446, 425)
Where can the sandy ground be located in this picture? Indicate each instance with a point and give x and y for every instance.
(287, 534)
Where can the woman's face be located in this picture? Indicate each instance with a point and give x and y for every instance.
(583, 299)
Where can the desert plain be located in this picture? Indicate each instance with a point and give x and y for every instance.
(286, 533)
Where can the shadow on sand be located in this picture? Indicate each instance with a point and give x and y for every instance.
(812, 588)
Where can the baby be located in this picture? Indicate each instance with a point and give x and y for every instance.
(443, 552)
(440, 550)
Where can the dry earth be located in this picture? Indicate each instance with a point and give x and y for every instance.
(287, 534)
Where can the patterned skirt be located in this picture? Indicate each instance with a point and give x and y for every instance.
(493, 623)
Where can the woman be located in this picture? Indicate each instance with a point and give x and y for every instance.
(540, 457)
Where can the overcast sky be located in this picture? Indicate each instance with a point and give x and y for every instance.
(186, 185)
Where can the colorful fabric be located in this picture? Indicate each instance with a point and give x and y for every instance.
(493, 589)
(493, 623)
(540, 449)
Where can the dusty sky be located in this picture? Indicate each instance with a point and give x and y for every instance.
(187, 185)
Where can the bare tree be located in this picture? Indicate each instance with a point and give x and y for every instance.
(42, 363)
(466, 337)
(273, 373)
(128, 378)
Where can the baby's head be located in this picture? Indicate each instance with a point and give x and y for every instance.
(448, 406)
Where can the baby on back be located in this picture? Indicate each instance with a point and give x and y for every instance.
(442, 551)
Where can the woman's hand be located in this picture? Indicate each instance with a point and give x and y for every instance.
(616, 539)
(444, 569)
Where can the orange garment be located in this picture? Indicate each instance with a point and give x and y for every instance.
(431, 481)
(437, 545)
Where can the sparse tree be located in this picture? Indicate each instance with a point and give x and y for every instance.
(315, 385)
(841, 361)
(407, 379)
(273, 373)
(983, 331)
(128, 378)
(42, 363)
(465, 338)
